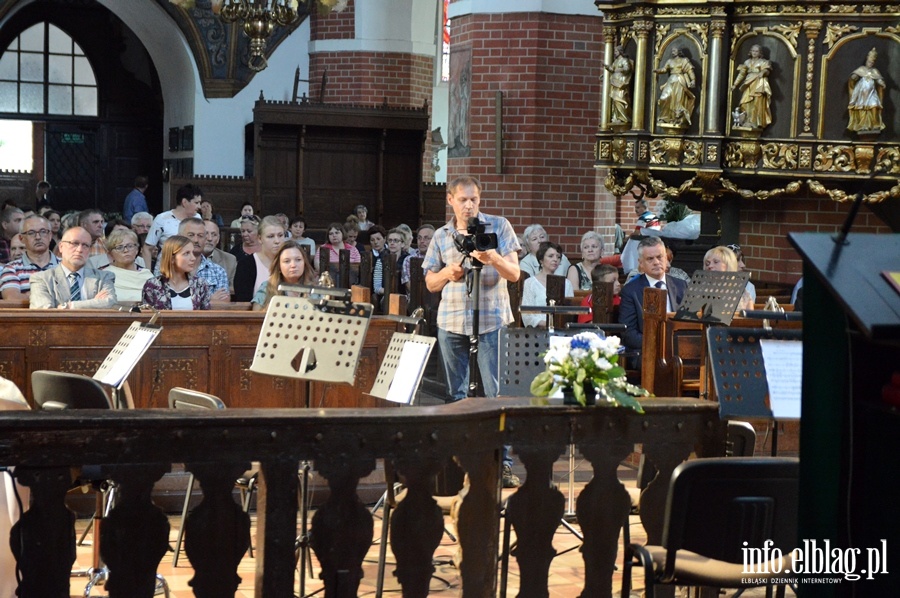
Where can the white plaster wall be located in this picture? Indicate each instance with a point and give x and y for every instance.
(404, 26)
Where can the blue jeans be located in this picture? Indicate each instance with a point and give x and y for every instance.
(455, 356)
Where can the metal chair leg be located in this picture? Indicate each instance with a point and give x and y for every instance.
(382, 550)
(184, 511)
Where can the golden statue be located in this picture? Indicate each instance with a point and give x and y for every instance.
(676, 101)
(866, 93)
(753, 80)
(620, 72)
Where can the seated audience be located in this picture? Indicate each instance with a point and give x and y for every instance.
(591, 251)
(336, 243)
(214, 274)
(54, 218)
(176, 287)
(10, 225)
(407, 235)
(94, 222)
(290, 266)
(602, 273)
(723, 259)
(253, 270)
(653, 262)
(207, 213)
(141, 222)
(15, 278)
(102, 260)
(549, 255)
(298, 232)
(423, 240)
(187, 205)
(397, 252)
(123, 246)
(362, 217)
(246, 213)
(751, 288)
(212, 252)
(534, 236)
(249, 238)
(351, 234)
(16, 247)
(73, 284)
(377, 241)
(673, 271)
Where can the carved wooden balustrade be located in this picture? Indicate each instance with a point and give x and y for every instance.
(137, 447)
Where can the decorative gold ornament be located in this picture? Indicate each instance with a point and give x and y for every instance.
(790, 32)
(835, 32)
(712, 153)
(702, 30)
(835, 158)
(780, 156)
(692, 152)
(805, 161)
(888, 160)
(842, 8)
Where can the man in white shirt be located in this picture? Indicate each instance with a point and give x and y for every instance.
(165, 225)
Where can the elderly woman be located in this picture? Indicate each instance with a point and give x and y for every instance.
(249, 238)
(122, 246)
(535, 290)
(591, 252)
(253, 270)
(290, 266)
(723, 259)
(534, 236)
(176, 287)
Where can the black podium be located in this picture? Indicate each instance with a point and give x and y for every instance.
(850, 439)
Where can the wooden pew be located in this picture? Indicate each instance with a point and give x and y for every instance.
(209, 351)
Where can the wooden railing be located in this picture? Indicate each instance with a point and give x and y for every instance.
(137, 447)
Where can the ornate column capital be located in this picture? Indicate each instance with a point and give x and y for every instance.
(609, 32)
(718, 28)
(812, 28)
(643, 28)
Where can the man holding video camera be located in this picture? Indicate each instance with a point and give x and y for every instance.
(449, 268)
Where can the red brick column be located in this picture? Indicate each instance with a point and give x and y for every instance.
(548, 68)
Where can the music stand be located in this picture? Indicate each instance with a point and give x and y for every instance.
(738, 370)
(401, 369)
(124, 357)
(316, 335)
(554, 310)
(712, 297)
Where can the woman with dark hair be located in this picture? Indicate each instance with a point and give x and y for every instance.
(176, 287)
(548, 256)
(290, 266)
(335, 244)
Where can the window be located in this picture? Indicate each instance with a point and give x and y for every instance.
(445, 43)
(43, 71)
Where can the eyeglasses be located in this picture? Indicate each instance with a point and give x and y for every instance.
(734, 247)
(37, 233)
(124, 248)
(77, 245)
(395, 241)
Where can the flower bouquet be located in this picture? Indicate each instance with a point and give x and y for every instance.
(586, 359)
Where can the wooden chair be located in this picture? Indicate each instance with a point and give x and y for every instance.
(713, 507)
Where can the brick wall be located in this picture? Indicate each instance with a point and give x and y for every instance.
(548, 68)
(372, 78)
(337, 25)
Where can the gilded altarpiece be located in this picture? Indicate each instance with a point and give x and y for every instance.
(753, 99)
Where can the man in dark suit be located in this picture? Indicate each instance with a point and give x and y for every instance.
(653, 263)
(73, 284)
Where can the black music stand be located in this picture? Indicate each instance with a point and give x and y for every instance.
(124, 357)
(738, 370)
(316, 333)
(554, 310)
(712, 297)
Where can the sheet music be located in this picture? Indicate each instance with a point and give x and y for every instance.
(784, 371)
(125, 355)
(409, 369)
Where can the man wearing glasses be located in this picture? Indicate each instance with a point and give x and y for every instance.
(15, 279)
(73, 284)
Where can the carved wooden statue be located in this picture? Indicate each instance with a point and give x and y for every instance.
(676, 100)
(620, 72)
(866, 92)
(756, 95)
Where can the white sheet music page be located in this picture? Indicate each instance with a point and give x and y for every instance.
(138, 341)
(784, 372)
(409, 369)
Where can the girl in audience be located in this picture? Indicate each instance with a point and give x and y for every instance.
(534, 236)
(591, 251)
(751, 288)
(336, 243)
(298, 230)
(54, 218)
(246, 213)
(122, 246)
(723, 259)
(249, 238)
(253, 270)
(535, 291)
(176, 287)
(602, 273)
(290, 266)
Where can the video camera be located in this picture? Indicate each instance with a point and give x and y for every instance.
(475, 239)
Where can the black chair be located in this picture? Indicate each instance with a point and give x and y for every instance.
(713, 507)
(63, 390)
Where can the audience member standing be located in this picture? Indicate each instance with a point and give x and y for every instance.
(15, 279)
(136, 200)
(41, 195)
(73, 284)
(187, 204)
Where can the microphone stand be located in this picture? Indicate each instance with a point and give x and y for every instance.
(475, 292)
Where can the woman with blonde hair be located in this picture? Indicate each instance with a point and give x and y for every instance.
(176, 287)
(253, 270)
(534, 236)
(290, 266)
(122, 246)
(723, 259)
